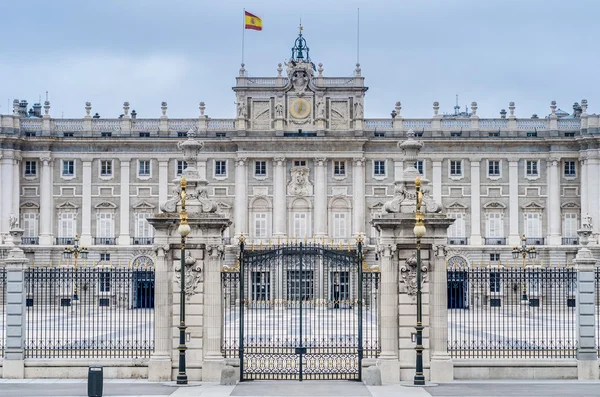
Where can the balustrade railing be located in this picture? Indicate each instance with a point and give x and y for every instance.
(145, 125)
(417, 124)
(30, 240)
(493, 124)
(495, 240)
(458, 240)
(455, 124)
(106, 125)
(68, 125)
(569, 124)
(142, 240)
(531, 125)
(65, 240)
(182, 124)
(84, 312)
(33, 125)
(535, 241)
(221, 124)
(570, 241)
(379, 124)
(507, 313)
(105, 240)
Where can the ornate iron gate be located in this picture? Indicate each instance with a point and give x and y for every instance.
(300, 311)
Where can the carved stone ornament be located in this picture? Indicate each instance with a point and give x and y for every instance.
(193, 275)
(300, 185)
(440, 250)
(408, 275)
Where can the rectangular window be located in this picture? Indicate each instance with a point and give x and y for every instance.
(105, 257)
(181, 134)
(30, 225)
(532, 168)
(299, 163)
(339, 225)
(104, 281)
(570, 225)
(419, 166)
(181, 165)
(494, 225)
(455, 167)
(533, 225)
(220, 168)
(494, 282)
(68, 168)
(143, 229)
(457, 229)
(260, 225)
(379, 167)
(30, 168)
(339, 287)
(494, 134)
(104, 226)
(144, 168)
(339, 168)
(106, 168)
(300, 286)
(531, 134)
(144, 135)
(105, 134)
(570, 169)
(66, 226)
(493, 168)
(260, 168)
(261, 286)
(495, 257)
(300, 230)
(68, 134)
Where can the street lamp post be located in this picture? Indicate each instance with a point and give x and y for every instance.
(75, 251)
(183, 229)
(419, 231)
(524, 251)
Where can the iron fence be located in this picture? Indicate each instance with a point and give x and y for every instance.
(2, 310)
(597, 304)
(512, 312)
(100, 312)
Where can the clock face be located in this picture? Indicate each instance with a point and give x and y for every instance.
(300, 108)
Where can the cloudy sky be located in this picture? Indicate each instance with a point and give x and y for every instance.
(186, 51)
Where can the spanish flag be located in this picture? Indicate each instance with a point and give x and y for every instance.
(252, 21)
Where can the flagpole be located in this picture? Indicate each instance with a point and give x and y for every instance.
(243, 32)
(358, 35)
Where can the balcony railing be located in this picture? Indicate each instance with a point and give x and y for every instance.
(105, 241)
(65, 240)
(570, 241)
(458, 240)
(142, 240)
(534, 241)
(495, 241)
(30, 240)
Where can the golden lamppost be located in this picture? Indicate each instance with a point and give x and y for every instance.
(524, 251)
(75, 251)
(184, 230)
(419, 231)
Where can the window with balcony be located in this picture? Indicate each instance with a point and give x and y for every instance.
(339, 225)
(105, 228)
(533, 225)
(457, 231)
(30, 232)
(300, 227)
(67, 224)
(260, 225)
(144, 232)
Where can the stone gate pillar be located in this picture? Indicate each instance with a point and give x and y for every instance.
(159, 366)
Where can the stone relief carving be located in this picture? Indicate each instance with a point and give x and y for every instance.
(430, 205)
(279, 110)
(299, 80)
(339, 115)
(241, 109)
(300, 185)
(320, 108)
(193, 275)
(171, 204)
(261, 113)
(13, 221)
(586, 222)
(440, 250)
(358, 109)
(408, 275)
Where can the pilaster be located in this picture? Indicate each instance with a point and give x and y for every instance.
(358, 196)
(86, 204)
(593, 172)
(16, 184)
(513, 208)
(475, 238)
(163, 180)
(241, 197)
(390, 366)
(554, 234)
(441, 368)
(437, 181)
(279, 197)
(7, 186)
(46, 201)
(583, 184)
(124, 232)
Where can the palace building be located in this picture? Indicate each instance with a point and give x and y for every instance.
(299, 160)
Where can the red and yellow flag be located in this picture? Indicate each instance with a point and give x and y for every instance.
(252, 21)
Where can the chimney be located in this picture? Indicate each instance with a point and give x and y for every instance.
(37, 110)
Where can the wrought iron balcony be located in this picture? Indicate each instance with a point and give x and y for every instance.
(495, 241)
(65, 240)
(458, 240)
(105, 241)
(142, 240)
(570, 241)
(30, 240)
(534, 241)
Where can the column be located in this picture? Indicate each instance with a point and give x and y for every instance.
(320, 190)
(513, 208)
(441, 366)
(1, 204)
(163, 181)
(7, 195)
(437, 181)
(587, 356)
(124, 221)
(279, 197)
(389, 314)
(398, 169)
(86, 204)
(358, 195)
(241, 197)
(583, 186)
(593, 173)
(554, 223)
(16, 186)
(475, 238)
(46, 200)
(159, 366)
(14, 364)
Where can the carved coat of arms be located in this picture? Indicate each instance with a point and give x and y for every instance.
(300, 184)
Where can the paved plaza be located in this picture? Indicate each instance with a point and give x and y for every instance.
(142, 388)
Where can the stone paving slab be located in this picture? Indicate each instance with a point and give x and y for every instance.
(305, 388)
(516, 389)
